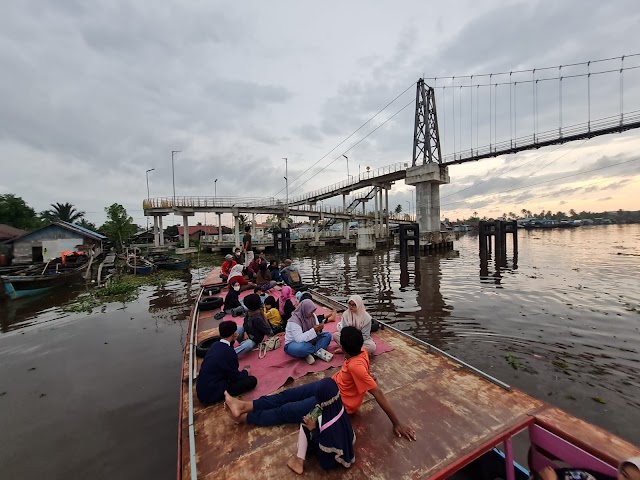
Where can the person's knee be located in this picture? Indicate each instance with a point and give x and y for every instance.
(336, 337)
(252, 381)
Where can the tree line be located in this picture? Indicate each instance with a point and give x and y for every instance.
(15, 212)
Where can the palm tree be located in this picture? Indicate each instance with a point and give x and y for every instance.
(398, 208)
(65, 212)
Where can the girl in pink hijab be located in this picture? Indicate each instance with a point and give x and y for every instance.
(287, 303)
(356, 316)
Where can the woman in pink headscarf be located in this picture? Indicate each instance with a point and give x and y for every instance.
(356, 316)
(287, 303)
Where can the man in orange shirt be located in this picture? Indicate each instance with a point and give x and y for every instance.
(289, 406)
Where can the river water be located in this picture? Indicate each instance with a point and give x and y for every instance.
(96, 396)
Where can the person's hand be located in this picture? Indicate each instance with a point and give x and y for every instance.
(548, 474)
(248, 369)
(309, 422)
(318, 328)
(404, 431)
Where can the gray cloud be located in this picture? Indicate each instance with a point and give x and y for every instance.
(92, 96)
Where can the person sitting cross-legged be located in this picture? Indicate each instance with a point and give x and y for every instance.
(256, 327)
(290, 406)
(263, 278)
(219, 371)
(227, 265)
(232, 304)
(304, 337)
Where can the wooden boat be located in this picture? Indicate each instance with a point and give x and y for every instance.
(170, 263)
(465, 421)
(139, 266)
(38, 279)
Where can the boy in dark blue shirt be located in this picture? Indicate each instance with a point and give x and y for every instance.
(219, 371)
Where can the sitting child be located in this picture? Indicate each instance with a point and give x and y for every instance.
(273, 315)
(326, 432)
(232, 304)
(256, 327)
(219, 370)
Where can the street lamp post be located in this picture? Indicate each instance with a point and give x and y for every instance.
(286, 179)
(215, 190)
(347, 166)
(148, 196)
(409, 203)
(173, 175)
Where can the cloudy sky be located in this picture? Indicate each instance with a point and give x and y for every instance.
(92, 94)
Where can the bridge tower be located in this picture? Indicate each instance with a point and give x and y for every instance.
(426, 172)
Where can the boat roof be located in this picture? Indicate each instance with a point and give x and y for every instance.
(455, 414)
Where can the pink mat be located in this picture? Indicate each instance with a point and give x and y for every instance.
(277, 367)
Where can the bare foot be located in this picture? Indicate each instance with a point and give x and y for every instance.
(296, 464)
(235, 406)
(548, 474)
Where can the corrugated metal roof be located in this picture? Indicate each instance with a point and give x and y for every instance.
(7, 231)
(81, 229)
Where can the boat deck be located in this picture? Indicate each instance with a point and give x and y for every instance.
(456, 414)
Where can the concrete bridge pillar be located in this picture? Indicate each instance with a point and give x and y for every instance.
(219, 228)
(185, 240)
(427, 179)
(316, 230)
(161, 230)
(236, 226)
(386, 202)
(366, 240)
(156, 238)
(376, 214)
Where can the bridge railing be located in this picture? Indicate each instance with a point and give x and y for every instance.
(244, 202)
(353, 180)
(584, 129)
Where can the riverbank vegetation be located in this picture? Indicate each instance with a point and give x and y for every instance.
(124, 288)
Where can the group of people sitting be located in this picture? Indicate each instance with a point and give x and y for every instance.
(321, 408)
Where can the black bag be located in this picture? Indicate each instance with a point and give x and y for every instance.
(375, 325)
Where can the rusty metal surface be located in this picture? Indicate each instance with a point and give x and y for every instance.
(598, 442)
(452, 411)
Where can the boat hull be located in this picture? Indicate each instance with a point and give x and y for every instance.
(16, 286)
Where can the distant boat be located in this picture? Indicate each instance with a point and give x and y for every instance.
(139, 266)
(38, 279)
(170, 263)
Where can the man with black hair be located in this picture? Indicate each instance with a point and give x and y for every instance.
(290, 406)
(247, 247)
(219, 371)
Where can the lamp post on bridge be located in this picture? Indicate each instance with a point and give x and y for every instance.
(148, 196)
(215, 190)
(173, 175)
(408, 203)
(286, 179)
(348, 176)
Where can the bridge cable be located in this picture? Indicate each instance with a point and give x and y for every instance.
(515, 113)
(354, 145)
(453, 110)
(460, 119)
(589, 97)
(503, 173)
(490, 120)
(510, 112)
(621, 90)
(529, 70)
(554, 179)
(351, 135)
(533, 106)
(560, 102)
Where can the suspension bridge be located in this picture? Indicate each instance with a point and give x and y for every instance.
(458, 119)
